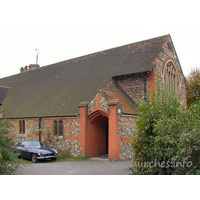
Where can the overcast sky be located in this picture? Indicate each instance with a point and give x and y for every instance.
(64, 29)
(67, 29)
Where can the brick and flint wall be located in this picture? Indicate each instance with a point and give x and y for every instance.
(72, 132)
(168, 54)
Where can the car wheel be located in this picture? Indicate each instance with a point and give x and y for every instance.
(34, 158)
(55, 159)
(19, 156)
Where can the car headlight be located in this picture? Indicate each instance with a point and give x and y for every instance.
(39, 153)
(54, 151)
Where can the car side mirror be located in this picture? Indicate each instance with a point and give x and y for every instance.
(23, 146)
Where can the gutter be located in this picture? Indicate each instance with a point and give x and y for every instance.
(48, 117)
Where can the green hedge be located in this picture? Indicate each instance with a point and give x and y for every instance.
(167, 140)
(8, 154)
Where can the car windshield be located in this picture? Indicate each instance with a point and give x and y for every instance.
(36, 144)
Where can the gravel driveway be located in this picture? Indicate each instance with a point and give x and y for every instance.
(84, 167)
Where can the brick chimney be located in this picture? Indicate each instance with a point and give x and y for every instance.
(28, 68)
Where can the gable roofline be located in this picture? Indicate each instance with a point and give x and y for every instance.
(58, 89)
(85, 56)
(177, 58)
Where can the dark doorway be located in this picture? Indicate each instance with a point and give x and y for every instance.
(97, 144)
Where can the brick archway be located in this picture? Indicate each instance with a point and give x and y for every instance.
(97, 142)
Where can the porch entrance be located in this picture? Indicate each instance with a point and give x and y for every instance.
(97, 142)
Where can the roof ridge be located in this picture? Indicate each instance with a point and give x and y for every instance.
(103, 51)
(92, 54)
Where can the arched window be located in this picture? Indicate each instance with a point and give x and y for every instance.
(22, 126)
(171, 80)
(55, 128)
(60, 128)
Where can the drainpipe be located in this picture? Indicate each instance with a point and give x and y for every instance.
(145, 85)
(40, 129)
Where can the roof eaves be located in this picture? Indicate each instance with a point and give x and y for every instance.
(146, 71)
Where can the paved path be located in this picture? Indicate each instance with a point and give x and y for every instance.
(85, 167)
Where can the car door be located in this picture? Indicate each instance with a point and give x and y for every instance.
(24, 150)
(19, 147)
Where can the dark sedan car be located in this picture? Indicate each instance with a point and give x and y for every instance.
(35, 150)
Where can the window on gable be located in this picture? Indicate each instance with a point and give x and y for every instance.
(171, 80)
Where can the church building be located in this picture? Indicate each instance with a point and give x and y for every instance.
(88, 104)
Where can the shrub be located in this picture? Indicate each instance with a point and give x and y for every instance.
(167, 140)
(8, 154)
(49, 139)
(63, 154)
(193, 86)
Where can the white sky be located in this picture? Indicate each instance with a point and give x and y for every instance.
(66, 29)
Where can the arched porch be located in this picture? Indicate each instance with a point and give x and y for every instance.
(97, 140)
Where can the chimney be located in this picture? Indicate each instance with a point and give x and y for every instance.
(21, 69)
(33, 66)
(28, 68)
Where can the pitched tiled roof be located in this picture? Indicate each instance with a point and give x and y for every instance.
(3, 93)
(58, 89)
(112, 92)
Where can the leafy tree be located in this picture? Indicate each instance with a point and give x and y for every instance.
(193, 86)
(8, 154)
(167, 140)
